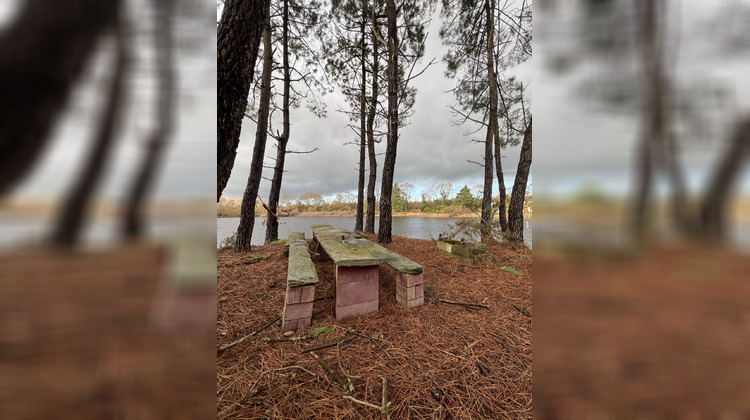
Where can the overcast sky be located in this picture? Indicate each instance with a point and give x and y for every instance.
(580, 143)
(189, 168)
(430, 150)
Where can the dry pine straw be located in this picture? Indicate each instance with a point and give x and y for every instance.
(446, 361)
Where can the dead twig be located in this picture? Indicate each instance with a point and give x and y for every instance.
(523, 311)
(384, 405)
(369, 338)
(329, 344)
(328, 370)
(481, 305)
(256, 332)
(253, 390)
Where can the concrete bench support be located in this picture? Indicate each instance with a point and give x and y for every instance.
(409, 290)
(356, 291)
(300, 289)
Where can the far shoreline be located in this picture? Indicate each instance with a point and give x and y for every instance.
(526, 216)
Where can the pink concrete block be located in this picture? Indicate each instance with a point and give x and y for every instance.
(409, 280)
(298, 310)
(303, 323)
(409, 303)
(351, 293)
(419, 291)
(400, 290)
(290, 325)
(293, 294)
(413, 303)
(356, 274)
(307, 293)
(351, 312)
(407, 293)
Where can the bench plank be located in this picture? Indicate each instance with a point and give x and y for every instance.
(399, 262)
(301, 270)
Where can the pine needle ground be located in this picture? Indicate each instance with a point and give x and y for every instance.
(440, 360)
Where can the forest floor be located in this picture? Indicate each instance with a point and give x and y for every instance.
(440, 360)
(82, 337)
(655, 332)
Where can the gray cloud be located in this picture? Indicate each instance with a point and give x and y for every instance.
(430, 150)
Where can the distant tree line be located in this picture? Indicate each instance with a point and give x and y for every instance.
(437, 199)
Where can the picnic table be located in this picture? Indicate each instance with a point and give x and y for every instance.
(356, 269)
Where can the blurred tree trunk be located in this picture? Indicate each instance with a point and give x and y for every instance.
(518, 195)
(165, 112)
(42, 54)
(385, 225)
(658, 148)
(238, 41)
(714, 206)
(272, 222)
(247, 212)
(69, 223)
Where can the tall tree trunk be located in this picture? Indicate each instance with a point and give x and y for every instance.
(714, 206)
(384, 227)
(358, 223)
(373, 176)
(238, 41)
(133, 214)
(502, 217)
(272, 222)
(34, 90)
(69, 223)
(489, 7)
(247, 212)
(515, 209)
(502, 213)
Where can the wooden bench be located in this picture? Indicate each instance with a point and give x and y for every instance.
(300, 285)
(356, 264)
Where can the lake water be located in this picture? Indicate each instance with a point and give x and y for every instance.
(410, 227)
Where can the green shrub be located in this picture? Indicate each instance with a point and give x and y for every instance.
(229, 241)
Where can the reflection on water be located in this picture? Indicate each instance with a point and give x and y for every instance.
(411, 227)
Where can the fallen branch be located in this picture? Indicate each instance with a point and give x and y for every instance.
(481, 305)
(369, 338)
(523, 311)
(323, 298)
(256, 332)
(312, 334)
(383, 407)
(328, 370)
(329, 344)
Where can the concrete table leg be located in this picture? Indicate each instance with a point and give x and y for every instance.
(356, 291)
